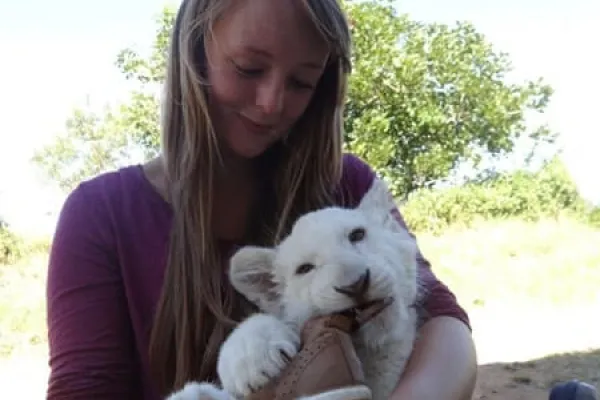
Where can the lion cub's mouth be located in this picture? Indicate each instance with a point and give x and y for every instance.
(364, 312)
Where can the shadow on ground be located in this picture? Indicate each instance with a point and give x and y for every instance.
(533, 379)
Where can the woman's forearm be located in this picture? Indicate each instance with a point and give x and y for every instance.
(443, 365)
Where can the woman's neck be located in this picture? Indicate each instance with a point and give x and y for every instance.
(233, 169)
(230, 177)
(234, 194)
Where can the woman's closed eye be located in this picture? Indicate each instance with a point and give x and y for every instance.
(250, 72)
(299, 84)
(256, 72)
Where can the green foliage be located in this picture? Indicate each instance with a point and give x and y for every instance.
(11, 246)
(530, 196)
(422, 99)
(152, 69)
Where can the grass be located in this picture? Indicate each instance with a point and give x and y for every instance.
(553, 263)
(22, 306)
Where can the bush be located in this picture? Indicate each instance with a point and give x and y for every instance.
(549, 192)
(593, 217)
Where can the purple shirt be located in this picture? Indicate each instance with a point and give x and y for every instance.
(105, 274)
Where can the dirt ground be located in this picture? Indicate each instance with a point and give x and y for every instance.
(521, 354)
(541, 347)
(532, 380)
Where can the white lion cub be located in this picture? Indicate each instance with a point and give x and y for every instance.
(303, 277)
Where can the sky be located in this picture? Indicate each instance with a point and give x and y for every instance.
(56, 54)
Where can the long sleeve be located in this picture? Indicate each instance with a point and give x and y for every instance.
(92, 352)
(439, 300)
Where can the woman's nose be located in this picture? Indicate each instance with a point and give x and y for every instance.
(270, 97)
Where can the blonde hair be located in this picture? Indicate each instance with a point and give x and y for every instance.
(197, 306)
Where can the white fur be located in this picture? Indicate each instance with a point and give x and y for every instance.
(268, 277)
(199, 391)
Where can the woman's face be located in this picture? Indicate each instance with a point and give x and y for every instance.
(264, 61)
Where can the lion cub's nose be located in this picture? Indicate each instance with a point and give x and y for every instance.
(358, 289)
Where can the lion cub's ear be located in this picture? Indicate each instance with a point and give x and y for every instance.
(378, 198)
(251, 274)
(378, 204)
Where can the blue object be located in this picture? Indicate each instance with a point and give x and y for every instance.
(573, 390)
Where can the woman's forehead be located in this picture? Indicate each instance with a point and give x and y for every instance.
(273, 28)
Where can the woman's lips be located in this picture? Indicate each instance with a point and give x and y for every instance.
(256, 128)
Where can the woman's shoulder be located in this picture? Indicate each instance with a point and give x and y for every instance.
(124, 186)
(357, 177)
(127, 181)
(113, 200)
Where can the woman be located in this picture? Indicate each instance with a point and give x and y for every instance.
(138, 298)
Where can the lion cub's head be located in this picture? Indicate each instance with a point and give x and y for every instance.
(333, 259)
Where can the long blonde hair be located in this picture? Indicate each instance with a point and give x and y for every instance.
(198, 307)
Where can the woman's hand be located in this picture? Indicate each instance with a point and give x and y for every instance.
(443, 365)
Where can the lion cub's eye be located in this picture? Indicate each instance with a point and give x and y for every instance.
(357, 235)
(304, 269)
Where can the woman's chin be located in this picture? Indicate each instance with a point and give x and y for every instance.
(249, 149)
(246, 152)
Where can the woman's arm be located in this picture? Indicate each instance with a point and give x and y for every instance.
(92, 353)
(443, 365)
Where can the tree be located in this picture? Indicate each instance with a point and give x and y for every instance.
(423, 98)
(93, 142)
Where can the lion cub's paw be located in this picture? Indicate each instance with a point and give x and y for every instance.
(255, 352)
